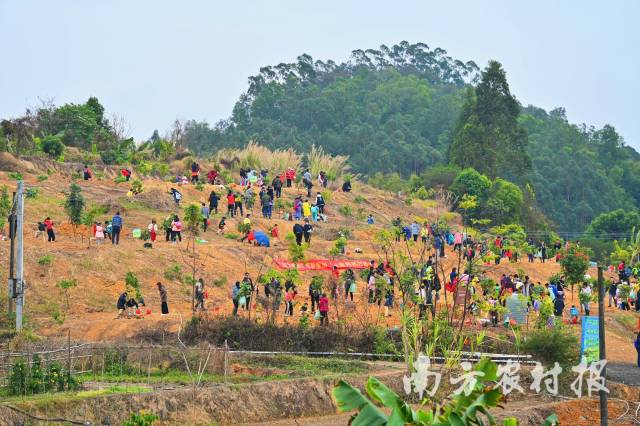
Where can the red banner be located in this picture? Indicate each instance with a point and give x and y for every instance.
(322, 264)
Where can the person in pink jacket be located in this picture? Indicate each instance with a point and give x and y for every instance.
(324, 309)
(457, 241)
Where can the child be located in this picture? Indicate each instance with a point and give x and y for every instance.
(107, 229)
(573, 314)
(388, 303)
(99, 233)
(275, 234)
(177, 196)
(40, 230)
(493, 312)
(221, 226)
(153, 230)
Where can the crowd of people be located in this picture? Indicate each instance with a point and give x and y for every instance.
(382, 287)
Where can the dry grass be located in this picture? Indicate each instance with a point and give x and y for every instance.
(334, 166)
(258, 157)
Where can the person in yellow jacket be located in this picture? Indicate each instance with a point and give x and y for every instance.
(306, 209)
(424, 234)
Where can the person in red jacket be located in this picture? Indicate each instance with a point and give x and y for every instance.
(323, 306)
(290, 175)
(231, 204)
(126, 173)
(211, 176)
(48, 223)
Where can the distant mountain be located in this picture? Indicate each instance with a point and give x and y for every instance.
(394, 109)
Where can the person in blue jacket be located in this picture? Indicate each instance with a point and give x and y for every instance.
(116, 227)
(261, 239)
(407, 232)
(438, 243)
(637, 345)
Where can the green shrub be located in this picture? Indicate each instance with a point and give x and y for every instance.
(200, 186)
(144, 168)
(220, 282)
(424, 194)
(359, 199)
(42, 178)
(161, 169)
(32, 193)
(52, 145)
(32, 379)
(231, 236)
(15, 176)
(345, 211)
(243, 228)
(132, 284)
(45, 260)
(383, 344)
(338, 246)
(553, 344)
(141, 419)
(89, 216)
(120, 179)
(487, 285)
(174, 273)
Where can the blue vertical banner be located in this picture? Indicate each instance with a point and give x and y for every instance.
(590, 341)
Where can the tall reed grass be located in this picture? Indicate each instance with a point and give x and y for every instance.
(334, 166)
(258, 157)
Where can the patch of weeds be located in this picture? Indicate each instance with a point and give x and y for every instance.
(220, 282)
(309, 366)
(345, 211)
(174, 273)
(46, 260)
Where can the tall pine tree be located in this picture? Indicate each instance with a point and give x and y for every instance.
(487, 136)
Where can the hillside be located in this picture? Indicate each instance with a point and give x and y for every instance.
(100, 269)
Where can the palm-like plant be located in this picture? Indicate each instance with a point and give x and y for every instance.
(465, 408)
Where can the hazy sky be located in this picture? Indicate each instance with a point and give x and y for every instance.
(154, 61)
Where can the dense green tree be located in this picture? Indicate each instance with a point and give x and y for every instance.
(616, 224)
(572, 186)
(504, 203)
(398, 102)
(94, 105)
(76, 123)
(471, 182)
(487, 136)
(74, 205)
(52, 145)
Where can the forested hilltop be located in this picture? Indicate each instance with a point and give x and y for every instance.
(410, 118)
(398, 110)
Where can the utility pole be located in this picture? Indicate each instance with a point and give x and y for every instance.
(12, 259)
(604, 411)
(19, 279)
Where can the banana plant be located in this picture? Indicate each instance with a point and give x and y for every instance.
(466, 408)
